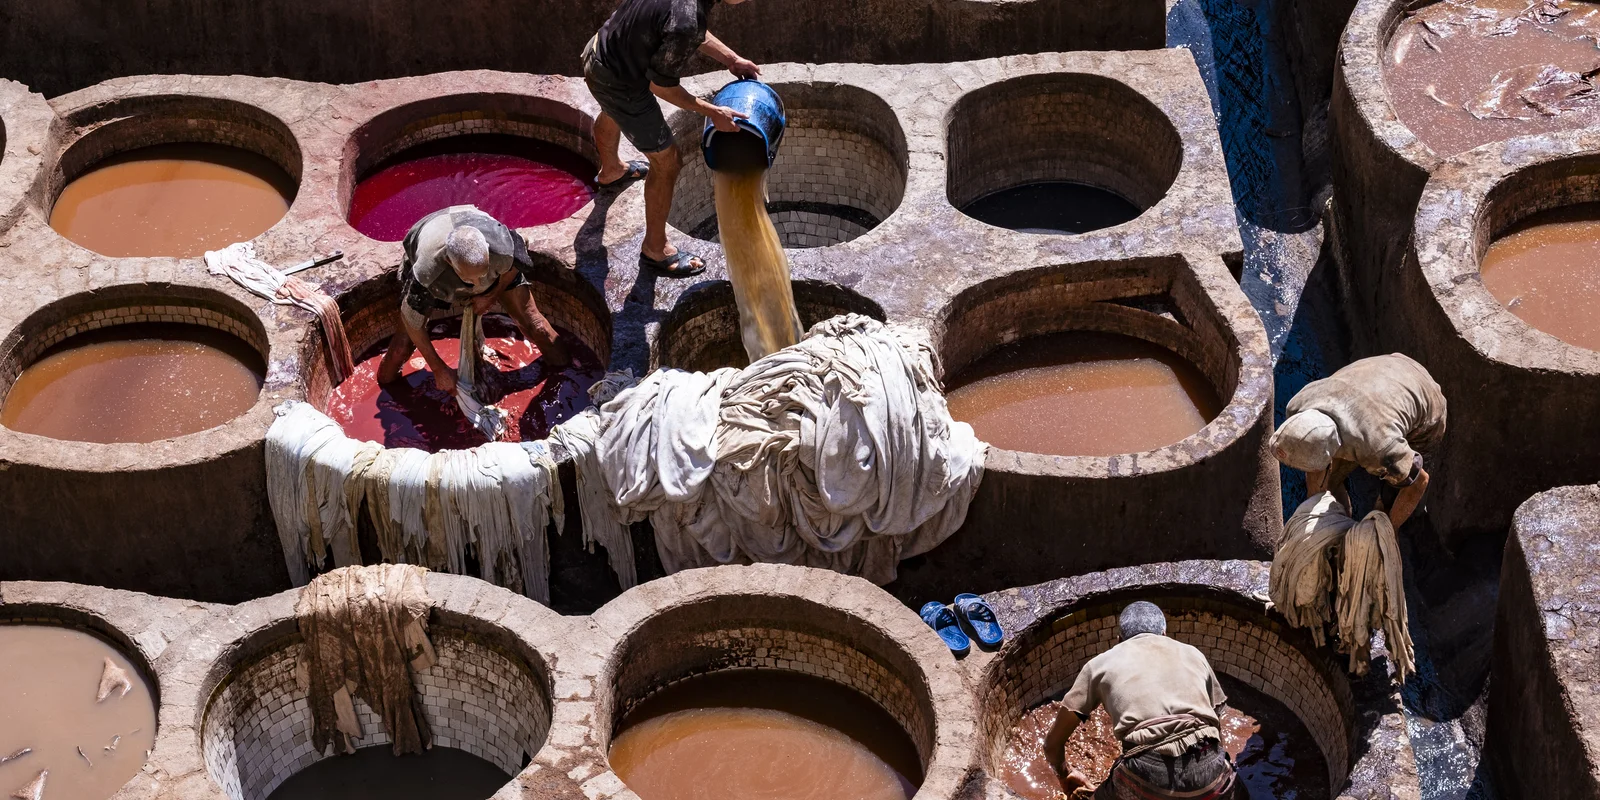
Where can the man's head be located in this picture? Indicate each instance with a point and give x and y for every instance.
(1306, 441)
(468, 254)
(1142, 617)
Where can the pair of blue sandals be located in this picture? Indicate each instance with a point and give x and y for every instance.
(962, 621)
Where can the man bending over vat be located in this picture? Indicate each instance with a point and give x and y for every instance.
(456, 256)
(640, 54)
(1380, 414)
(1165, 705)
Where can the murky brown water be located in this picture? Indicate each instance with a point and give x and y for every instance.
(135, 383)
(764, 734)
(1276, 757)
(1546, 270)
(376, 773)
(757, 266)
(1083, 394)
(1462, 74)
(173, 200)
(49, 679)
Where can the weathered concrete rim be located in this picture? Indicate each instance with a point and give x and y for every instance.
(145, 626)
(196, 668)
(952, 759)
(242, 432)
(1361, 50)
(1209, 303)
(676, 345)
(1382, 763)
(1457, 217)
(28, 132)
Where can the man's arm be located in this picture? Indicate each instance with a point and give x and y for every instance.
(1055, 742)
(724, 55)
(720, 116)
(443, 376)
(1406, 503)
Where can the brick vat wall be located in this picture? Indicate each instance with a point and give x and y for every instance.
(702, 331)
(1062, 127)
(767, 632)
(840, 170)
(479, 698)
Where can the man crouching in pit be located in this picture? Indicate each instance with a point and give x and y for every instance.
(1164, 702)
(456, 256)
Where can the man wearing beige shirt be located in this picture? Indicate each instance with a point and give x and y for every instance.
(1164, 701)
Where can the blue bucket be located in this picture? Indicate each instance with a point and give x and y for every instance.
(756, 143)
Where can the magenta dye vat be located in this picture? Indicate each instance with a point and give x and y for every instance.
(521, 182)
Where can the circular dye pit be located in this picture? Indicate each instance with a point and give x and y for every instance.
(139, 382)
(1058, 207)
(1276, 757)
(375, 773)
(52, 721)
(1082, 393)
(764, 733)
(519, 181)
(1546, 270)
(1462, 74)
(412, 412)
(175, 200)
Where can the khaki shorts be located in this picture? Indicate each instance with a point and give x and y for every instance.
(635, 109)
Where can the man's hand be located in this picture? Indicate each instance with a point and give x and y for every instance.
(444, 378)
(722, 118)
(744, 68)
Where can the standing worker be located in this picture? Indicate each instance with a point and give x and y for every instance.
(456, 256)
(1165, 705)
(640, 54)
(1379, 413)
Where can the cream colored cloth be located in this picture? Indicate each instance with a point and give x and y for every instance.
(238, 263)
(836, 453)
(365, 634)
(1146, 677)
(489, 419)
(1331, 569)
(1383, 408)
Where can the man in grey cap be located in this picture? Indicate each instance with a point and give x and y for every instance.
(456, 256)
(1379, 413)
(1165, 705)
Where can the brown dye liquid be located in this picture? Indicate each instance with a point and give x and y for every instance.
(1546, 270)
(376, 773)
(135, 383)
(1462, 74)
(173, 200)
(49, 678)
(1275, 755)
(757, 267)
(764, 734)
(1083, 394)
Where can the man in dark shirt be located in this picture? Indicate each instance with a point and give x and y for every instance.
(640, 54)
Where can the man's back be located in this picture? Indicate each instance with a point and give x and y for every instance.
(651, 41)
(1148, 677)
(1385, 406)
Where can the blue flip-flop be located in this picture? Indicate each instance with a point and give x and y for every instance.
(979, 618)
(942, 619)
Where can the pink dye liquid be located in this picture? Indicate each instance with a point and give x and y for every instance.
(520, 182)
(412, 413)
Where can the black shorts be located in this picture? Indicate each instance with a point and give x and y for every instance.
(635, 108)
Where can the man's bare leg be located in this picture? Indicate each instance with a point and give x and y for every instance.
(395, 357)
(658, 189)
(607, 140)
(518, 302)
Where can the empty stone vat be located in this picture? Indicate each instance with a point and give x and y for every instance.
(840, 171)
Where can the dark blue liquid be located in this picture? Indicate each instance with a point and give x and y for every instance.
(1058, 207)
